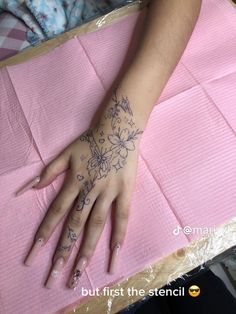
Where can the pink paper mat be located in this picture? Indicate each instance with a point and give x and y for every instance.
(187, 164)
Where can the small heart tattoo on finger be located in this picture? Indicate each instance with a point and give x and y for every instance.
(79, 177)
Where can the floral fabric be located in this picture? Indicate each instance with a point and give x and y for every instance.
(48, 18)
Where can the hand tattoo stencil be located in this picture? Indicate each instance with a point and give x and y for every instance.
(116, 145)
(109, 151)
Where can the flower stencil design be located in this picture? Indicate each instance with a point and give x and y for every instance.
(109, 148)
(122, 142)
(108, 144)
(82, 198)
(100, 162)
(72, 235)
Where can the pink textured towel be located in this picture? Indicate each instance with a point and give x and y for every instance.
(187, 164)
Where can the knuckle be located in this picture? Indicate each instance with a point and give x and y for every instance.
(111, 184)
(97, 220)
(75, 220)
(122, 214)
(57, 209)
(106, 198)
(127, 185)
(44, 231)
(88, 251)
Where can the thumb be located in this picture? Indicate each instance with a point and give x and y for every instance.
(53, 169)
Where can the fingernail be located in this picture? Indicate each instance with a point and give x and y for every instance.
(55, 272)
(34, 252)
(82, 263)
(114, 258)
(28, 186)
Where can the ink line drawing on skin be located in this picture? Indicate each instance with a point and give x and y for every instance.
(108, 146)
(72, 235)
(109, 151)
(118, 144)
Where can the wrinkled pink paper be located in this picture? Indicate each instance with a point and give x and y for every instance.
(187, 164)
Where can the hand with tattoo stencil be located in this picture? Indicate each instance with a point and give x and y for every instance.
(101, 163)
(101, 168)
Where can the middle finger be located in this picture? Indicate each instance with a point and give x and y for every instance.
(93, 232)
(72, 229)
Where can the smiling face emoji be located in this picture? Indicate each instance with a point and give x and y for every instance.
(194, 291)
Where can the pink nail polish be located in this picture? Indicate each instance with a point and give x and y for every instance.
(114, 257)
(34, 252)
(55, 272)
(82, 263)
(28, 186)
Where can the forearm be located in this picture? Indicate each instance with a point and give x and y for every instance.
(167, 29)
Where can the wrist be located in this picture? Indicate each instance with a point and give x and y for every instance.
(137, 113)
(120, 123)
(142, 91)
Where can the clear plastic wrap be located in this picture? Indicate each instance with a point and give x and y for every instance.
(203, 252)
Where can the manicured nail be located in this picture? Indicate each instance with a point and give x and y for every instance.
(34, 252)
(28, 186)
(82, 263)
(55, 272)
(114, 257)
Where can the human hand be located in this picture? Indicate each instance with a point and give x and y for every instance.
(101, 169)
